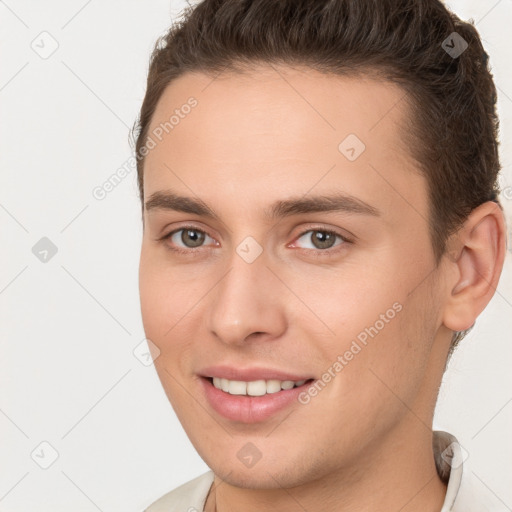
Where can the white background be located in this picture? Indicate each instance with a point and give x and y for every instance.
(68, 375)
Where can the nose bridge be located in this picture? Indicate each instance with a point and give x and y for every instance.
(244, 301)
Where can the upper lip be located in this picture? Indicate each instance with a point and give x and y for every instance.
(251, 374)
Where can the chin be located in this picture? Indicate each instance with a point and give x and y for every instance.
(262, 478)
(275, 472)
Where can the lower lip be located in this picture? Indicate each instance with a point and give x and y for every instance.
(250, 409)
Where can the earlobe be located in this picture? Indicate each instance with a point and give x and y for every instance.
(477, 267)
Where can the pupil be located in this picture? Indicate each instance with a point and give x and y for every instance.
(323, 240)
(194, 236)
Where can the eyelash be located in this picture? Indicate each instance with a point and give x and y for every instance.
(317, 253)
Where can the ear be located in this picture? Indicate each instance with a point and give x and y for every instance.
(476, 265)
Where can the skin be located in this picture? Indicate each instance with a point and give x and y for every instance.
(272, 135)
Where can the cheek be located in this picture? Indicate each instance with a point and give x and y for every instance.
(354, 302)
(169, 298)
(166, 294)
(159, 309)
(153, 300)
(380, 338)
(390, 368)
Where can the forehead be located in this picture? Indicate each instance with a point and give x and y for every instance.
(298, 104)
(252, 132)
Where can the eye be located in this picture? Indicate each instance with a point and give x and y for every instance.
(321, 239)
(186, 238)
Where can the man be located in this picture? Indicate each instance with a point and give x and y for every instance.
(321, 227)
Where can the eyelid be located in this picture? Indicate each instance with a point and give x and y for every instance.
(189, 225)
(347, 236)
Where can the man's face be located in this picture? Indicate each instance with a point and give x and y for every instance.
(345, 299)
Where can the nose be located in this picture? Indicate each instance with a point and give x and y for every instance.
(247, 303)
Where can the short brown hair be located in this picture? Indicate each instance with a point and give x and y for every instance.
(452, 127)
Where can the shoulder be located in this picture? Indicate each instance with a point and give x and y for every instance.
(189, 497)
(466, 491)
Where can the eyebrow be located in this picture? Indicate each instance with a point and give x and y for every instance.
(336, 202)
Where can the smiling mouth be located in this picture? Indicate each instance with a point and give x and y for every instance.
(255, 387)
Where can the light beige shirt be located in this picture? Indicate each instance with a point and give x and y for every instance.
(464, 492)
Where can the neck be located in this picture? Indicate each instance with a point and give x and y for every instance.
(400, 475)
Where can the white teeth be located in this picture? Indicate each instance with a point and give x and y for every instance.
(224, 385)
(255, 387)
(237, 387)
(273, 386)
